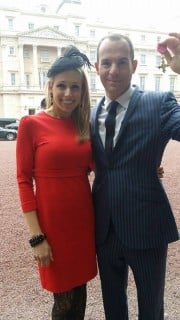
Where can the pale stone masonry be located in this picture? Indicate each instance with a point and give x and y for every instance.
(31, 40)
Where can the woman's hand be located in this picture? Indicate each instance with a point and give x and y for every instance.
(43, 253)
(160, 172)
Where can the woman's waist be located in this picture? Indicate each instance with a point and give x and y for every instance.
(64, 172)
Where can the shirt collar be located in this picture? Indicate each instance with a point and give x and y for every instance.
(123, 99)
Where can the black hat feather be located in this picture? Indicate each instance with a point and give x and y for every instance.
(72, 59)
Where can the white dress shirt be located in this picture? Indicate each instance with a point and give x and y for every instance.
(121, 110)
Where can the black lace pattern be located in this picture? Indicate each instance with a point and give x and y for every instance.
(70, 305)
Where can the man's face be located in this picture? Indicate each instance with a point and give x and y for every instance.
(115, 67)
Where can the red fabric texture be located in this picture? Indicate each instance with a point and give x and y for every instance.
(52, 177)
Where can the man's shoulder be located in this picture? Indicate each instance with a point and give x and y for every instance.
(95, 108)
(156, 95)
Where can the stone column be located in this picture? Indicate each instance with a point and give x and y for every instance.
(35, 67)
(21, 66)
(4, 77)
(58, 51)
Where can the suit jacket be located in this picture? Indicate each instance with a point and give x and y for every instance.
(127, 190)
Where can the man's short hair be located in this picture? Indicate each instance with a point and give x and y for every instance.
(117, 37)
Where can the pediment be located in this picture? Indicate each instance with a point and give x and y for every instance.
(47, 33)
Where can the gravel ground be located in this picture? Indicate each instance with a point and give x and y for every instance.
(21, 296)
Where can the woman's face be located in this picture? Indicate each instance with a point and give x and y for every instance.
(66, 89)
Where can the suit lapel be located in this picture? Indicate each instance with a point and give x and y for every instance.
(130, 110)
(96, 125)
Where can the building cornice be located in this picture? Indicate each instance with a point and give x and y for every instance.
(47, 33)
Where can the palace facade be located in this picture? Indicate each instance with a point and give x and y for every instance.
(31, 41)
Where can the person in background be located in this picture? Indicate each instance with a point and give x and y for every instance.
(53, 159)
(43, 104)
(134, 223)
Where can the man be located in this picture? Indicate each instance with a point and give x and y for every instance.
(134, 221)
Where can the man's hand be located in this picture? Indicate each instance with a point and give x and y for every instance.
(170, 49)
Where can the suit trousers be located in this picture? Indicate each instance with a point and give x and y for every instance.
(148, 267)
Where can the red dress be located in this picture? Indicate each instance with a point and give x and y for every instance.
(52, 176)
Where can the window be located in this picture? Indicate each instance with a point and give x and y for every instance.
(92, 33)
(93, 102)
(42, 78)
(77, 29)
(143, 59)
(158, 61)
(45, 55)
(31, 111)
(11, 50)
(13, 79)
(56, 28)
(142, 80)
(92, 55)
(93, 81)
(26, 52)
(27, 79)
(157, 83)
(62, 50)
(171, 83)
(10, 23)
(43, 8)
(143, 37)
(30, 26)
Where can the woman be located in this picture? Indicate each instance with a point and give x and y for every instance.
(53, 157)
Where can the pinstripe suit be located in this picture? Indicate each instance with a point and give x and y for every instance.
(128, 196)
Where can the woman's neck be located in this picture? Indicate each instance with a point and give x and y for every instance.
(59, 115)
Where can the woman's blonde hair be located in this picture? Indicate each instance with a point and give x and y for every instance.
(73, 59)
(81, 114)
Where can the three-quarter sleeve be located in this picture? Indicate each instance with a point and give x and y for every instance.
(25, 152)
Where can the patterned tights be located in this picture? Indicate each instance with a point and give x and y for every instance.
(70, 305)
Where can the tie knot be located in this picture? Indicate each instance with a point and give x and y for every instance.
(112, 107)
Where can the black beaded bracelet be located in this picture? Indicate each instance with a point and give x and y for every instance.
(37, 240)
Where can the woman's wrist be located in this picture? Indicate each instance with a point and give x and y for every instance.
(37, 239)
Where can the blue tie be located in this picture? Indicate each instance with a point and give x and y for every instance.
(110, 127)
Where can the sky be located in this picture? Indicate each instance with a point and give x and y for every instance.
(162, 15)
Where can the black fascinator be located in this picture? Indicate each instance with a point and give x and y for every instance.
(72, 59)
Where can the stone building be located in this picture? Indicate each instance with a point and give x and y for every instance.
(31, 40)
